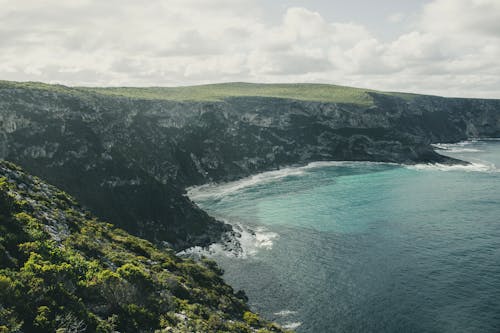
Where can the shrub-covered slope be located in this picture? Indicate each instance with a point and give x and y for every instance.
(62, 270)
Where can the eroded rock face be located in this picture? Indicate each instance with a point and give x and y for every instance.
(129, 160)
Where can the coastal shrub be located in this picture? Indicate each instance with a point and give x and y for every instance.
(251, 318)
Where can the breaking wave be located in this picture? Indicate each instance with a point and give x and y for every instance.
(220, 190)
(471, 167)
(460, 147)
(291, 325)
(285, 313)
(243, 242)
(284, 317)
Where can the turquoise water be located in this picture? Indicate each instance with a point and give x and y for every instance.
(366, 247)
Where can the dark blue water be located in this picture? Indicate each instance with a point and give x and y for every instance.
(363, 247)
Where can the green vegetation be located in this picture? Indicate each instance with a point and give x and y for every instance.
(61, 270)
(53, 88)
(219, 92)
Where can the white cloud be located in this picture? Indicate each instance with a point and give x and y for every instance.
(396, 17)
(466, 17)
(453, 49)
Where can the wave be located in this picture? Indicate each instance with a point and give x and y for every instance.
(291, 325)
(461, 150)
(486, 139)
(285, 313)
(464, 150)
(220, 190)
(243, 242)
(323, 164)
(471, 167)
(288, 325)
(466, 142)
(252, 241)
(224, 189)
(459, 147)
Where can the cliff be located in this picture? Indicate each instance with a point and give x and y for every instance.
(128, 153)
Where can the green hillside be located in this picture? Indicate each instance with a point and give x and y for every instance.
(61, 270)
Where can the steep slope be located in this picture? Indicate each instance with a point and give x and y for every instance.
(128, 153)
(61, 270)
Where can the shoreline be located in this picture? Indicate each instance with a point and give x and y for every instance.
(229, 187)
(298, 168)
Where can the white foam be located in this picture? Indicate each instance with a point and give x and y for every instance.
(264, 239)
(472, 167)
(285, 313)
(288, 325)
(490, 139)
(244, 243)
(461, 147)
(457, 147)
(252, 241)
(198, 251)
(220, 190)
(461, 150)
(292, 325)
(476, 165)
(323, 164)
(464, 150)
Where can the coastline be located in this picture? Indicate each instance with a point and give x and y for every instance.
(230, 239)
(219, 190)
(297, 168)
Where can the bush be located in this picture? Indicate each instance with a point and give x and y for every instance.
(251, 318)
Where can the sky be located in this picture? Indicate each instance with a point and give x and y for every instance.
(441, 47)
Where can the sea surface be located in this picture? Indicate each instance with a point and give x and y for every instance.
(368, 247)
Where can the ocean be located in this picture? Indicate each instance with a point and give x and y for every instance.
(367, 247)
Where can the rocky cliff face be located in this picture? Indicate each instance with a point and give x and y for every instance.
(129, 160)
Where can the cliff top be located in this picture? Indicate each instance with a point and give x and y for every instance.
(218, 92)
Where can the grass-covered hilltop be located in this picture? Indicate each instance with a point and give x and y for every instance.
(63, 270)
(219, 92)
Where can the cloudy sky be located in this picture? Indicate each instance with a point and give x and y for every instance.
(446, 47)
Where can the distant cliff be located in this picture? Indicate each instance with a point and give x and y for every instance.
(128, 154)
